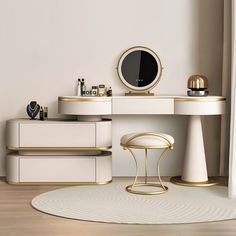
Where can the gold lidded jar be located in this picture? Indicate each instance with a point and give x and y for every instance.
(197, 82)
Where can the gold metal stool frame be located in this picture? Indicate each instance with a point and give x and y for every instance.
(126, 146)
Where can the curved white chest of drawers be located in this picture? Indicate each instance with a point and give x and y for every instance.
(194, 169)
(56, 151)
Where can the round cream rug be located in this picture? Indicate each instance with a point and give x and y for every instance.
(111, 203)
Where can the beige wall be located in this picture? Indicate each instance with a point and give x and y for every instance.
(45, 45)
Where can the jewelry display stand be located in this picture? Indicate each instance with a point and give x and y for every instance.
(33, 109)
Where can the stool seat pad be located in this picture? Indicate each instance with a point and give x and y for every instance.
(147, 140)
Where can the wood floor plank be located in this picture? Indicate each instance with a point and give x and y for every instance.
(17, 217)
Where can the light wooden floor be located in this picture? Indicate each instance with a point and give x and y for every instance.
(18, 218)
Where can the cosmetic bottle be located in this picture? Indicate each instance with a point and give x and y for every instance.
(78, 88)
(94, 90)
(45, 113)
(41, 117)
(101, 90)
(83, 87)
(109, 92)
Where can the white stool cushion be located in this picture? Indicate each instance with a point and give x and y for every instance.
(147, 140)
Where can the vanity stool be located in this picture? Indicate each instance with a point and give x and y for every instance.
(147, 141)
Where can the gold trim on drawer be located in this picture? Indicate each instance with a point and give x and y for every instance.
(59, 183)
(200, 99)
(84, 99)
(58, 148)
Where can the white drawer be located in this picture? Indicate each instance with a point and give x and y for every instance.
(61, 169)
(130, 105)
(84, 107)
(52, 134)
(68, 169)
(199, 108)
(57, 135)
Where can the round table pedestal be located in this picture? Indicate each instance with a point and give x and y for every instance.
(194, 168)
(178, 180)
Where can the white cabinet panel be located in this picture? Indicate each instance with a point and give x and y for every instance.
(49, 169)
(57, 135)
(103, 168)
(103, 134)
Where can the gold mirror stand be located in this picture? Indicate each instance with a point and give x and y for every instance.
(148, 93)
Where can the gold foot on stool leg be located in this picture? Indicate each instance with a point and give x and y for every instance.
(131, 189)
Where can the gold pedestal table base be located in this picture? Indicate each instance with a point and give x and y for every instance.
(178, 180)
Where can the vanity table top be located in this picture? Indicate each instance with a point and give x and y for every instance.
(141, 105)
(175, 97)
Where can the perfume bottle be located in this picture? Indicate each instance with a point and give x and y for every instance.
(109, 92)
(101, 90)
(94, 90)
(78, 88)
(45, 113)
(41, 115)
(83, 87)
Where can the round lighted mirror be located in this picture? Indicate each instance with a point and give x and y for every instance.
(139, 68)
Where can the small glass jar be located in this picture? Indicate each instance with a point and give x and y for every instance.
(94, 90)
(101, 90)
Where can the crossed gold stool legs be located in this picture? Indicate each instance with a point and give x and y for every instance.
(165, 144)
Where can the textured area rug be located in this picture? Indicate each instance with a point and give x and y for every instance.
(111, 203)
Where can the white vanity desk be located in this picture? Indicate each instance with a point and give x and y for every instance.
(71, 151)
(194, 169)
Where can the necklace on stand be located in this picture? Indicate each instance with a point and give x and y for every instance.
(32, 109)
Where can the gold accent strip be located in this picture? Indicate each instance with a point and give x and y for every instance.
(58, 148)
(84, 99)
(143, 147)
(198, 99)
(59, 183)
(130, 189)
(168, 143)
(211, 182)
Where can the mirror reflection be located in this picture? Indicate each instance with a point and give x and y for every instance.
(139, 68)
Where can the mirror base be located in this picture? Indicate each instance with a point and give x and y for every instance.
(130, 93)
